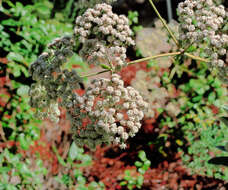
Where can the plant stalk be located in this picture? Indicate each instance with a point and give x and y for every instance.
(153, 57)
(164, 23)
(94, 74)
(196, 57)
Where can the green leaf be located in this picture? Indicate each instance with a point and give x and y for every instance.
(140, 181)
(194, 21)
(130, 187)
(9, 22)
(138, 164)
(42, 9)
(4, 169)
(216, 83)
(13, 56)
(77, 173)
(141, 170)
(137, 28)
(211, 97)
(147, 163)
(105, 66)
(23, 142)
(65, 179)
(74, 151)
(81, 180)
(86, 160)
(123, 183)
(197, 98)
(192, 48)
(82, 187)
(152, 63)
(24, 170)
(60, 159)
(142, 155)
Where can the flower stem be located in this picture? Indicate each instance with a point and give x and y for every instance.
(164, 23)
(196, 57)
(94, 74)
(153, 57)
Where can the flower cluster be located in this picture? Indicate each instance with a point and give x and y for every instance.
(106, 113)
(84, 4)
(52, 82)
(104, 35)
(203, 22)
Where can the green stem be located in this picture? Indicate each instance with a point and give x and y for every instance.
(196, 57)
(164, 23)
(60, 159)
(153, 57)
(173, 71)
(94, 74)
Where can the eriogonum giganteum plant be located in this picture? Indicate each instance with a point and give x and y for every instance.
(109, 112)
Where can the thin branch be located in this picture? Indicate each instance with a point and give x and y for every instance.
(153, 57)
(94, 74)
(164, 23)
(196, 57)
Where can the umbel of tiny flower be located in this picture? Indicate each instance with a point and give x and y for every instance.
(204, 23)
(54, 85)
(85, 4)
(107, 113)
(104, 36)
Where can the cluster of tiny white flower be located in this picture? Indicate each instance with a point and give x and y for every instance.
(104, 35)
(106, 113)
(85, 4)
(52, 82)
(203, 22)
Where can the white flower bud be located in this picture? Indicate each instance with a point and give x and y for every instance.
(119, 116)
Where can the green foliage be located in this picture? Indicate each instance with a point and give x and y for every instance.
(201, 148)
(24, 34)
(136, 181)
(32, 28)
(17, 173)
(78, 180)
(144, 164)
(201, 95)
(134, 20)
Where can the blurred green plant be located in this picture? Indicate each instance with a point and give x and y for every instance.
(134, 25)
(24, 33)
(78, 181)
(17, 173)
(133, 17)
(202, 95)
(136, 181)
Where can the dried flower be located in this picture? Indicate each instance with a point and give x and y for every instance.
(100, 32)
(107, 115)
